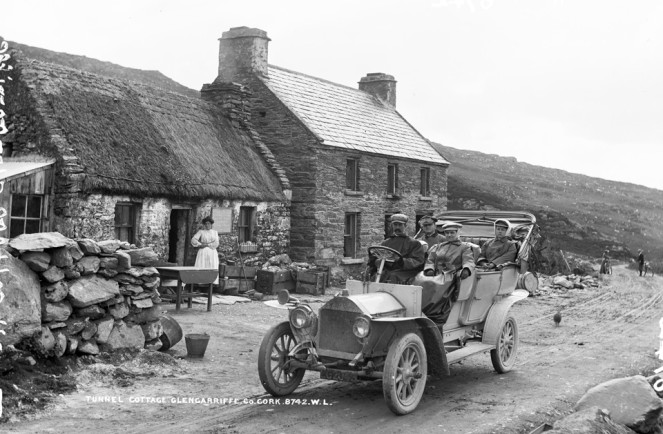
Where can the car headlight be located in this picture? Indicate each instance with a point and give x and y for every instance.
(361, 327)
(301, 317)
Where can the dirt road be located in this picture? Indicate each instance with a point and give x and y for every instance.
(605, 333)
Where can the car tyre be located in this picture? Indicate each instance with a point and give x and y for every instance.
(272, 357)
(504, 354)
(404, 376)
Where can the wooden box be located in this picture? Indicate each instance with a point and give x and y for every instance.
(311, 282)
(270, 282)
(237, 272)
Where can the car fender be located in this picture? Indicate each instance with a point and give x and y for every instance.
(387, 329)
(497, 315)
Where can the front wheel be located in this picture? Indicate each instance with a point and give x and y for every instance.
(404, 377)
(275, 375)
(504, 354)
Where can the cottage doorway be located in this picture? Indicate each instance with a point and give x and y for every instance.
(179, 235)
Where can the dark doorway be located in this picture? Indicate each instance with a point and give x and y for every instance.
(178, 236)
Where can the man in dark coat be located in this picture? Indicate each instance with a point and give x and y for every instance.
(413, 252)
(498, 250)
(428, 231)
(641, 261)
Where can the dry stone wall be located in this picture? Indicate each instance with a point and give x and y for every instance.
(95, 296)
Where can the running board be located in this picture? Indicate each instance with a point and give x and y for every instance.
(468, 350)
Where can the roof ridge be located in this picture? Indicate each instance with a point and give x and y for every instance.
(319, 79)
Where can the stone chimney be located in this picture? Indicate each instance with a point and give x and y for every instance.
(382, 86)
(242, 50)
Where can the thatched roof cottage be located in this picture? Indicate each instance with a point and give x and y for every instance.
(144, 162)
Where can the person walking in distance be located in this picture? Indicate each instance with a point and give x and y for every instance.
(641, 261)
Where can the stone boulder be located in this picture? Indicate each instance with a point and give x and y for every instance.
(591, 420)
(88, 347)
(21, 308)
(53, 274)
(109, 246)
(71, 273)
(37, 261)
(55, 292)
(93, 312)
(630, 401)
(75, 251)
(108, 262)
(39, 241)
(562, 281)
(119, 310)
(88, 265)
(144, 256)
(152, 330)
(89, 290)
(61, 257)
(125, 336)
(145, 315)
(123, 260)
(104, 329)
(60, 311)
(89, 247)
(44, 341)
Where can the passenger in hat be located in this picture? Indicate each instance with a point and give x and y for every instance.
(412, 251)
(452, 256)
(519, 237)
(428, 232)
(499, 250)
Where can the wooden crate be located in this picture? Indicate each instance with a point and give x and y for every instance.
(270, 282)
(236, 272)
(311, 282)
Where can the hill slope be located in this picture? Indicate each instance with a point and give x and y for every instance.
(578, 213)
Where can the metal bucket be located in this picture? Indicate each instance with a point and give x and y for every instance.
(527, 281)
(196, 344)
(172, 332)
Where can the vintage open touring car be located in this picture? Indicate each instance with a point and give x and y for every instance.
(377, 330)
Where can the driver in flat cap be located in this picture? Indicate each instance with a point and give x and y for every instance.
(498, 250)
(413, 252)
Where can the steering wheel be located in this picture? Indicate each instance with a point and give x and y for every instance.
(383, 254)
(386, 253)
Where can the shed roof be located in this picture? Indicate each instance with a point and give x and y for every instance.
(15, 169)
(130, 138)
(349, 118)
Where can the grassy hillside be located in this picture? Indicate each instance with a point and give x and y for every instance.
(577, 213)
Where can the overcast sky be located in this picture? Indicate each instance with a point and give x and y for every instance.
(570, 84)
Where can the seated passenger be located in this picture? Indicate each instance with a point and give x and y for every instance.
(413, 252)
(451, 257)
(428, 231)
(498, 250)
(519, 236)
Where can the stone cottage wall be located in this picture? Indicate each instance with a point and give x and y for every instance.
(371, 201)
(272, 230)
(292, 145)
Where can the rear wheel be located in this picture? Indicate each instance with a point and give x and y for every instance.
(275, 375)
(404, 377)
(504, 354)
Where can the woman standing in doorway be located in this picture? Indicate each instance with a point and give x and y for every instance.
(207, 240)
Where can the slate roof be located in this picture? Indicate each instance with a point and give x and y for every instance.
(349, 118)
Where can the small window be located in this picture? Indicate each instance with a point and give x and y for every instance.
(126, 217)
(25, 215)
(351, 236)
(392, 179)
(425, 182)
(246, 224)
(352, 174)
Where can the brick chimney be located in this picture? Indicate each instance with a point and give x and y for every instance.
(242, 50)
(380, 85)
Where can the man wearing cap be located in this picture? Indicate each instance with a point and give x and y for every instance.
(450, 256)
(412, 251)
(519, 237)
(498, 250)
(428, 231)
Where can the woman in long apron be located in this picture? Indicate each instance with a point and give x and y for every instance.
(207, 240)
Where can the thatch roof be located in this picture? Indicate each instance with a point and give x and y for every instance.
(130, 138)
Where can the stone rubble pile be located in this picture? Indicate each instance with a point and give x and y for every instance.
(562, 283)
(94, 295)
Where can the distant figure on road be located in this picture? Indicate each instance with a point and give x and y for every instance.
(606, 268)
(641, 261)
